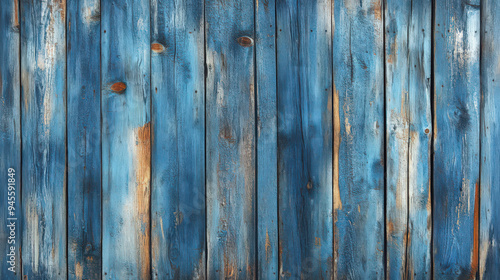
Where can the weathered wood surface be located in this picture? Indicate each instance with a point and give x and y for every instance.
(206, 139)
(10, 141)
(456, 139)
(489, 256)
(84, 139)
(358, 94)
(267, 154)
(178, 126)
(43, 105)
(126, 139)
(305, 138)
(230, 139)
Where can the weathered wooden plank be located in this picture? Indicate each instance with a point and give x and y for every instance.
(358, 73)
(408, 122)
(456, 139)
(126, 146)
(230, 136)
(10, 141)
(267, 173)
(304, 52)
(489, 255)
(43, 87)
(397, 19)
(418, 256)
(84, 139)
(178, 118)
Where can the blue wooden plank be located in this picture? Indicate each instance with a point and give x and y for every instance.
(418, 256)
(456, 139)
(178, 118)
(10, 141)
(230, 136)
(489, 255)
(43, 87)
(304, 56)
(267, 174)
(126, 143)
(358, 62)
(84, 139)
(397, 19)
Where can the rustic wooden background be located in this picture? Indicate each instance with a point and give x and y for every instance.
(218, 139)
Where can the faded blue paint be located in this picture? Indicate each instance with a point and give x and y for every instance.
(267, 175)
(304, 56)
(418, 256)
(10, 141)
(358, 71)
(125, 58)
(397, 18)
(84, 139)
(178, 151)
(230, 139)
(490, 138)
(43, 89)
(456, 138)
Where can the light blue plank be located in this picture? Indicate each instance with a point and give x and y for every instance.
(126, 146)
(304, 60)
(489, 255)
(418, 256)
(84, 139)
(267, 181)
(178, 118)
(358, 72)
(456, 139)
(397, 19)
(43, 89)
(10, 141)
(230, 136)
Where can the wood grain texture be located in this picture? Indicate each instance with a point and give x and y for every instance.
(43, 88)
(304, 55)
(456, 139)
(10, 141)
(397, 19)
(267, 175)
(358, 71)
(230, 136)
(418, 255)
(489, 256)
(126, 139)
(178, 118)
(84, 139)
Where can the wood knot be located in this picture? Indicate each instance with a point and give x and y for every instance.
(245, 41)
(118, 87)
(157, 47)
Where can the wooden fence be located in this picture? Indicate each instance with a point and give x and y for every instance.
(243, 139)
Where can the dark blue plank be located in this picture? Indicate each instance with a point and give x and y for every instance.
(84, 139)
(230, 136)
(267, 175)
(489, 255)
(456, 139)
(178, 151)
(304, 56)
(126, 139)
(358, 70)
(10, 142)
(43, 88)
